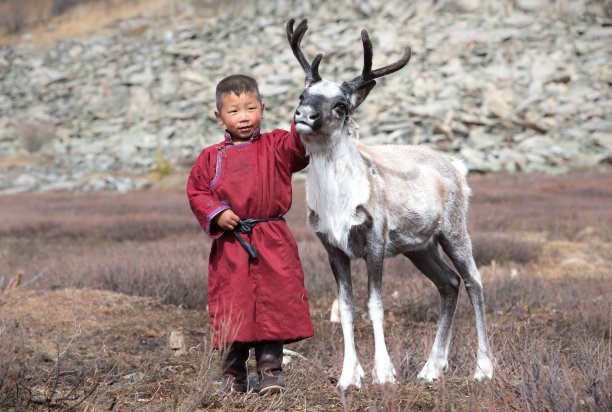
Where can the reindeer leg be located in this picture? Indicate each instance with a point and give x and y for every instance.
(458, 247)
(447, 281)
(352, 372)
(383, 371)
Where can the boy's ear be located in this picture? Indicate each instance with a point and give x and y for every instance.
(263, 106)
(219, 118)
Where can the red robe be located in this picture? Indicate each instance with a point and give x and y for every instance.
(263, 298)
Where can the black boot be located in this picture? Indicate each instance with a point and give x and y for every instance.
(234, 370)
(269, 357)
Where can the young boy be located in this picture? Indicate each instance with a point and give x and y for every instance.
(256, 298)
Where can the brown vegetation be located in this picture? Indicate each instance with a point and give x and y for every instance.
(74, 334)
(50, 20)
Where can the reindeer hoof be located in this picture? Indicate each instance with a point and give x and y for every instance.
(421, 380)
(484, 370)
(432, 370)
(480, 376)
(346, 391)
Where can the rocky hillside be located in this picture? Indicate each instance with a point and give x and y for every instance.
(519, 85)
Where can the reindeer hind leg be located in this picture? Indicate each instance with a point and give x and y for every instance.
(431, 264)
(458, 247)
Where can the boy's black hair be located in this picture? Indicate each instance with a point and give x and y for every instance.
(237, 83)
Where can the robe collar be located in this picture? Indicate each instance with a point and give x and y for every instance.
(228, 137)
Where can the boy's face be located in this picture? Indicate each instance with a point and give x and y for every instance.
(240, 114)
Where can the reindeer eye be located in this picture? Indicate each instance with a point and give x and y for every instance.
(301, 98)
(341, 107)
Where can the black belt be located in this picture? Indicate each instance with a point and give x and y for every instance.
(246, 226)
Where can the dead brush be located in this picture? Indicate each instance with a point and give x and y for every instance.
(498, 248)
(14, 386)
(549, 326)
(68, 384)
(539, 376)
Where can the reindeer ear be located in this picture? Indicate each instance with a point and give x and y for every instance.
(361, 93)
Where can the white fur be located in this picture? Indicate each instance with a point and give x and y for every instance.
(352, 372)
(326, 89)
(383, 371)
(336, 177)
(484, 367)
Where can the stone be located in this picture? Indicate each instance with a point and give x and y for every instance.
(176, 341)
(334, 315)
(507, 74)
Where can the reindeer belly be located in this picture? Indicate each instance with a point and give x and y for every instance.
(411, 232)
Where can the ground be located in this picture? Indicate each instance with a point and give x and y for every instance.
(106, 278)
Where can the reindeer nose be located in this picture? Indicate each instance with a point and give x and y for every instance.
(308, 115)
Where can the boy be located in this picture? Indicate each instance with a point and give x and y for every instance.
(256, 298)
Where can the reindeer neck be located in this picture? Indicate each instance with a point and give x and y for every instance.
(341, 161)
(337, 183)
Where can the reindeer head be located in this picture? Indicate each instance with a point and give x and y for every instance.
(324, 105)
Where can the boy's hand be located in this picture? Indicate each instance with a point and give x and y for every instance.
(226, 220)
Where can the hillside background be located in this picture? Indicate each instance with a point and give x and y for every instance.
(118, 95)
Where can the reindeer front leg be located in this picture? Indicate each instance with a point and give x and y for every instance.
(383, 371)
(352, 372)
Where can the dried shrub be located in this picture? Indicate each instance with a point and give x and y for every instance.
(14, 388)
(492, 247)
(570, 207)
(15, 15)
(68, 383)
(549, 331)
(60, 6)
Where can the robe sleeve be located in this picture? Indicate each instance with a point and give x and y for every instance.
(204, 205)
(290, 149)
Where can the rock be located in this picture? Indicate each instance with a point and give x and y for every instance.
(475, 160)
(289, 356)
(136, 376)
(334, 315)
(176, 341)
(26, 181)
(529, 5)
(488, 77)
(499, 104)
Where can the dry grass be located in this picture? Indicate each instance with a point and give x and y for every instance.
(543, 245)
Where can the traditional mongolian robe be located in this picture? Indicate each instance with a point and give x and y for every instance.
(262, 298)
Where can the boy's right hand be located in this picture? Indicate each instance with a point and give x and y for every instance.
(226, 220)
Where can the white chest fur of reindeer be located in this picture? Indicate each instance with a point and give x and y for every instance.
(329, 213)
(380, 201)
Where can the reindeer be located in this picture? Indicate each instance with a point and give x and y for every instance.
(378, 201)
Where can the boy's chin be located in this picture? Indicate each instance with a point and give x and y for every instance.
(242, 135)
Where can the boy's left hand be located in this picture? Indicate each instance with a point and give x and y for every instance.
(227, 220)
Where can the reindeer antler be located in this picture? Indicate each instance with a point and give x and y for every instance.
(367, 74)
(295, 38)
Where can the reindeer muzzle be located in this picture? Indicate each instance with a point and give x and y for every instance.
(309, 116)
